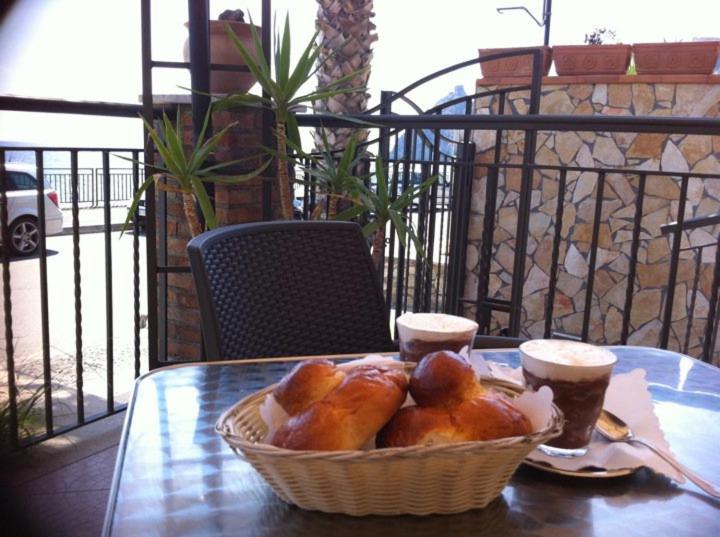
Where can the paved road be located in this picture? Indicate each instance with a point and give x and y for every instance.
(26, 313)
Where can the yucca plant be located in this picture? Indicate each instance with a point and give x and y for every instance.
(188, 171)
(284, 95)
(382, 209)
(28, 416)
(332, 174)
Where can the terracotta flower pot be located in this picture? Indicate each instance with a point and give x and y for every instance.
(693, 57)
(515, 66)
(591, 59)
(223, 51)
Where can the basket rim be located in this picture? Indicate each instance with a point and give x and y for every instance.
(223, 428)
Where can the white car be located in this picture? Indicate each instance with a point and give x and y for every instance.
(23, 225)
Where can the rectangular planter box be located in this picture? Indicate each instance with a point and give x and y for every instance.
(515, 66)
(693, 57)
(591, 59)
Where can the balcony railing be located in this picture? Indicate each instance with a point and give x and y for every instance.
(91, 185)
(474, 266)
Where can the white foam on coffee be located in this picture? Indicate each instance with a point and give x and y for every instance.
(434, 326)
(566, 360)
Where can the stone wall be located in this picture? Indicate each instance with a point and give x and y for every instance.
(623, 96)
(234, 204)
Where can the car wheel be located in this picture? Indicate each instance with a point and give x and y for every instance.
(24, 236)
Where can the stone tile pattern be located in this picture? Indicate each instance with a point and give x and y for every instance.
(647, 152)
(234, 204)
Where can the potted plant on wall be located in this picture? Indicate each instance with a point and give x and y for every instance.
(595, 57)
(223, 52)
(692, 57)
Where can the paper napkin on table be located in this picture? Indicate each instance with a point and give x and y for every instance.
(628, 397)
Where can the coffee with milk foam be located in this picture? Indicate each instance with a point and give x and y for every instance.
(423, 333)
(565, 360)
(578, 374)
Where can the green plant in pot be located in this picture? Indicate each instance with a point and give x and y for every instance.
(381, 209)
(332, 174)
(284, 89)
(187, 172)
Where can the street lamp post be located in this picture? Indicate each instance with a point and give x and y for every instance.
(546, 16)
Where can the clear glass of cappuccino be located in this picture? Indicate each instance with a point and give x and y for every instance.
(423, 333)
(578, 374)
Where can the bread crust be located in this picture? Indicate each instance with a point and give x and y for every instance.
(333, 410)
(488, 417)
(443, 378)
(415, 425)
(452, 406)
(350, 415)
(307, 383)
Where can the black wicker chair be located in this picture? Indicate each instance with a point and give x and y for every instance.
(288, 289)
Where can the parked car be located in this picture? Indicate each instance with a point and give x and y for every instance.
(22, 206)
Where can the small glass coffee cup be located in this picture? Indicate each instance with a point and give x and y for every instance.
(423, 333)
(578, 374)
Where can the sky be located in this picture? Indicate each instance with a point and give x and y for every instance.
(94, 53)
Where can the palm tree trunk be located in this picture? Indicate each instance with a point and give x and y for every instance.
(191, 214)
(332, 207)
(347, 34)
(283, 177)
(378, 246)
(317, 212)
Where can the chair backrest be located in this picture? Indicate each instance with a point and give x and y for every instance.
(288, 288)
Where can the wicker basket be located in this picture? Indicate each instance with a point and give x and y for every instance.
(418, 480)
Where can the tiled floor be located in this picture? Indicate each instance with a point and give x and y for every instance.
(61, 489)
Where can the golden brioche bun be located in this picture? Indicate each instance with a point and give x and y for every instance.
(307, 383)
(443, 378)
(349, 416)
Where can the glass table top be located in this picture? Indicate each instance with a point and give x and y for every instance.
(175, 476)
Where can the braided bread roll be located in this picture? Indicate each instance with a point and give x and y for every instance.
(452, 407)
(349, 415)
(306, 384)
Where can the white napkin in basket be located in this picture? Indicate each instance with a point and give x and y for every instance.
(628, 397)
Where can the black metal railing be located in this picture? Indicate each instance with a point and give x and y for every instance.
(506, 308)
(101, 188)
(488, 303)
(437, 142)
(446, 220)
(53, 382)
(700, 263)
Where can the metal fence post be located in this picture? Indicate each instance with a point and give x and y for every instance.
(523, 220)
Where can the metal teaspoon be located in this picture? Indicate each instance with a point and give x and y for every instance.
(616, 430)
